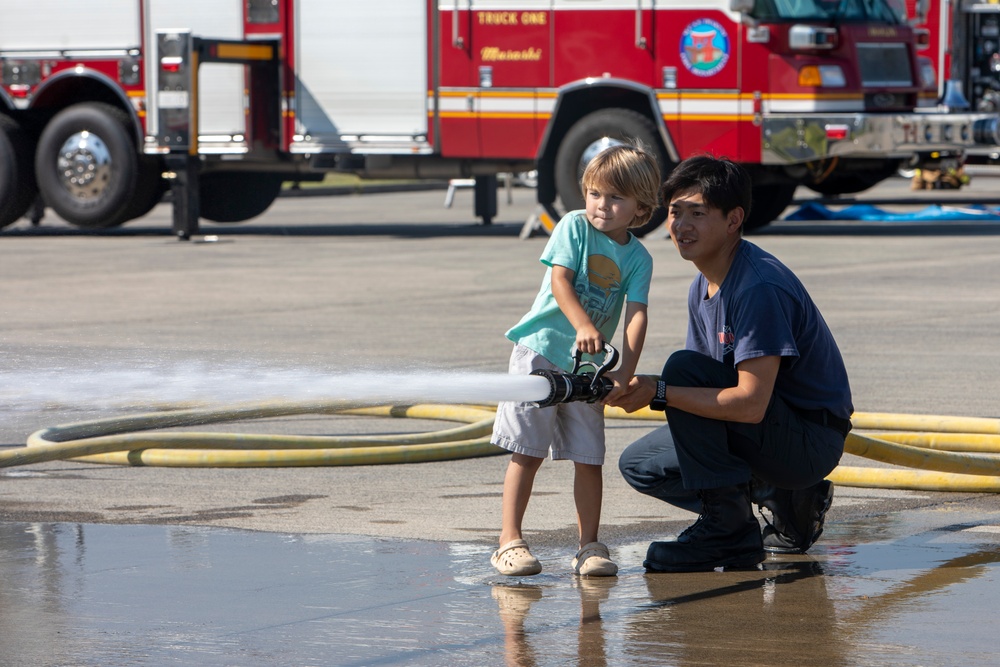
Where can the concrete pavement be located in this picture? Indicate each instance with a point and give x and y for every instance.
(129, 319)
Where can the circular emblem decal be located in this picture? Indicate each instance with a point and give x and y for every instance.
(704, 47)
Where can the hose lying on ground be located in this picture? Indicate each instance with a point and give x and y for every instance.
(115, 440)
(949, 453)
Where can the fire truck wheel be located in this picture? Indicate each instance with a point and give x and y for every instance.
(767, 203)
(845, 184)
(87, 164)
(149, 188)
(589, 136)
(17, 178)
(235, 196)
(658, 218)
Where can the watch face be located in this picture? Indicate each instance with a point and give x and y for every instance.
(659, 402)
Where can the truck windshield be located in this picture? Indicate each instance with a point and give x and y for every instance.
(844, 11)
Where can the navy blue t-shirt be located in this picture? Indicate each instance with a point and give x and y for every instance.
(761, 310)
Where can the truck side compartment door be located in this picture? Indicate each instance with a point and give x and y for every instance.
(361, 73)
(603, 39)
(698, 61)
(220, 86)
(511, 58)
(455, 99)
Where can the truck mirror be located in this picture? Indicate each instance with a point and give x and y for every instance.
(742, 6)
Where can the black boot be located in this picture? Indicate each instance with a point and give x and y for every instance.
(725, 535)
(796, 516)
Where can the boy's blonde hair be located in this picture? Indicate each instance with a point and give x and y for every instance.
(629, 170)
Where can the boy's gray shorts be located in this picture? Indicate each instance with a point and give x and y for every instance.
(573, 431)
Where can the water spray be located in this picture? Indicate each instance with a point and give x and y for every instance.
(575, 386)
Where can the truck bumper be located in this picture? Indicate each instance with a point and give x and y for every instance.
(796, 139)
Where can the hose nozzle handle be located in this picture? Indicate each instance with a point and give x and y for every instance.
(610, 360)
(579, 386)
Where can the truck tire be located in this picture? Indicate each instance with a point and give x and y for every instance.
(767, 203)
(235, 196)
(589, 136)
(658, 218)
(845, 184)
(17, 176)
(149, 188)
(86, 165)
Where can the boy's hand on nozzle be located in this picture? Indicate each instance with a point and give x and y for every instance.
(589, 340)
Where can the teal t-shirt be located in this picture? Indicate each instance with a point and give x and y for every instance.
(606, 275)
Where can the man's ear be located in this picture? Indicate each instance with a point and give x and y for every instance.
(734, 219)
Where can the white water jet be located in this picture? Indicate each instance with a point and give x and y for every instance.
(159, 386)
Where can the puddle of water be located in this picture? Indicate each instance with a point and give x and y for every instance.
(81, 594)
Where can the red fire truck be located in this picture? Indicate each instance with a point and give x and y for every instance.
(104, 105)
(964, 47)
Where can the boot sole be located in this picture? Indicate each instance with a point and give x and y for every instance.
(741, 562)
(786, 550)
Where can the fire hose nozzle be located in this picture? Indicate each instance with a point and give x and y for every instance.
(577, 386)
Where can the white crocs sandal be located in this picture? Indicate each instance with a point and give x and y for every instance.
(514, 560)
(593, 560)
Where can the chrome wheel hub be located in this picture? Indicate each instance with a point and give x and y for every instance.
(591, 151)
(84, 165)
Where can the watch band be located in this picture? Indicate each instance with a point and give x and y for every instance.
(659, 401)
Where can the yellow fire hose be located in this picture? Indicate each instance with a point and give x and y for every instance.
(948, 453)
(113, 440)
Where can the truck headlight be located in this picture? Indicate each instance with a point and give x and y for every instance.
(808, 37)
(822, 76)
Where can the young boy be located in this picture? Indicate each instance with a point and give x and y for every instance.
(594, 264)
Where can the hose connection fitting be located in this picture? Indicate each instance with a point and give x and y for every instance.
(578, 386)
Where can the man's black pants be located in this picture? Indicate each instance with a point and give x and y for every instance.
(691, 453)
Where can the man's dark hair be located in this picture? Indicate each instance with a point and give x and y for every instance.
(723, 184)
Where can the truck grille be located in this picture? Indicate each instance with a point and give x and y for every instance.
(884, 65)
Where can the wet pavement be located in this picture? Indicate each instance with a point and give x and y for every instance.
(913, 588)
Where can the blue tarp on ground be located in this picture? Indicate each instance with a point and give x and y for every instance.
(813, 211)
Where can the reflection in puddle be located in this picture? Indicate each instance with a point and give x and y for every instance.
(898, 590)
(779, 615)
(589, 638)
